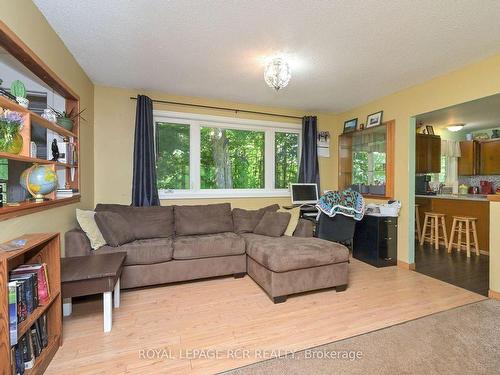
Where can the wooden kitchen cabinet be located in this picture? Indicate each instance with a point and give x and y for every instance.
(469, 160)
(428, 153)
(490, 157)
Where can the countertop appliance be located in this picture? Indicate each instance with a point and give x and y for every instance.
(422, 184)
(486, 187)
(474, 190)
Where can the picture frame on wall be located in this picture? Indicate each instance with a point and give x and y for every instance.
(430, 129)
(375, 119)
(350, 125)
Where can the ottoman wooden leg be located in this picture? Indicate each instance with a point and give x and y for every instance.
(116, 294)
(67, 307)
(279, 299)
(108, 311)
(341, 288)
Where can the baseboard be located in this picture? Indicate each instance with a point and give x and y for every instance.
(494, 295)
(406, 266)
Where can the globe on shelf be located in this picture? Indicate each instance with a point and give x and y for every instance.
(39, 180)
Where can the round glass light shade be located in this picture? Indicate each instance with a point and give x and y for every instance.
(277, 73)
(455, 128)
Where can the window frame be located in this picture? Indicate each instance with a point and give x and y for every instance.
(195, 122)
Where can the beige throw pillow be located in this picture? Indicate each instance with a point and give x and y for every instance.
(294, 220)
(89, 226)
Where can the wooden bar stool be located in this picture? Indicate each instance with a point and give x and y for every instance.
(418, 230)
(461, 225)
(434, 221)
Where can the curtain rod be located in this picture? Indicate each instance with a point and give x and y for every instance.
(222, 108)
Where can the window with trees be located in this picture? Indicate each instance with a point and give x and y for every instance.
(366, 160)
(203, 156)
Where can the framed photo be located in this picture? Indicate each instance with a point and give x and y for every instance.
(375, 119)
(430, 129)
(350, 125)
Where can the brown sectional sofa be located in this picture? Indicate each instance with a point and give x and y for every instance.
(180, 243)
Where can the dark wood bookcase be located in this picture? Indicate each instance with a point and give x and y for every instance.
(40, 248)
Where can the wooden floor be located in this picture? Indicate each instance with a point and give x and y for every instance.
(454, 268)
(231, 314)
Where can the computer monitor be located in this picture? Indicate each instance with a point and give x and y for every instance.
(304, 193)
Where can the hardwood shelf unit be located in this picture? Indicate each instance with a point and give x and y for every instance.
(19, 50)
(40, 248)
(29, 207)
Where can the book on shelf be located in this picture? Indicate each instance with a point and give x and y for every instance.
(30, 346)
(64, 193)
(28, 288)
(13, 312)
(40, 269)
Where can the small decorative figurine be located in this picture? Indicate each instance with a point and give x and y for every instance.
(55, 150)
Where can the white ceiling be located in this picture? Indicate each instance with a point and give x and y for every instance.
(478, 114)
(345, 53)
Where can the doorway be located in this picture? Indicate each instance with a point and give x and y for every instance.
(457, 165)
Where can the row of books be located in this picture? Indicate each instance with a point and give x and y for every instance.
(30, 346)
(65, 193)
(28, 289)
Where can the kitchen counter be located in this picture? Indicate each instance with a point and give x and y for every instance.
(467, 197)
(473, 205)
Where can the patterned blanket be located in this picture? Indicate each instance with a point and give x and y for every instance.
(348, 203)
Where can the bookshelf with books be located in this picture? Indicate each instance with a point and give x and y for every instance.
(31, 319)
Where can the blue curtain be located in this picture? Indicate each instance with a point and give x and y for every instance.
(144, 188)
(309, 167)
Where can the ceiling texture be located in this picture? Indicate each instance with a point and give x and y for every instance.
(343, 53)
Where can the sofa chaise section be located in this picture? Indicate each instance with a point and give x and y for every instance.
(288, 265)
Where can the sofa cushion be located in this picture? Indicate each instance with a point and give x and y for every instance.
(146, 222)
(294, 220)
(86, 220)
(281, 254)
(203, 219)
(245, 221)
(150, 251)
(208, 245)
(273, 224)
(114, 228)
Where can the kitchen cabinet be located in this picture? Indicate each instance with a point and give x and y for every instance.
(490, 157)
(468, 162)
(376, 240)
(428, 154)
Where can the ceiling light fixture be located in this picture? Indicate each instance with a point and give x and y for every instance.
(455, 127)
(277, 73)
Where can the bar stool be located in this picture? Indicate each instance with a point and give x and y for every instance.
(434, 221)
(418, 231)
(465, 225)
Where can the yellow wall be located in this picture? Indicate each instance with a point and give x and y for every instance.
(24, 19)
(495, 248)
(472, 82)
(114, 137)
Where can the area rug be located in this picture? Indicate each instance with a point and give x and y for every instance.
(464, 340)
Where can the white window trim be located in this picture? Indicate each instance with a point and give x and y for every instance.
(196, 121)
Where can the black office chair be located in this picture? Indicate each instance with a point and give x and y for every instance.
(339, 229)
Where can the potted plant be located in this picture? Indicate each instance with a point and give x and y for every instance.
(67, 119)
(19, 91)
(11, 124)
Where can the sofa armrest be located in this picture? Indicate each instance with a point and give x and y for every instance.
(76, 243)
(305, 228)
